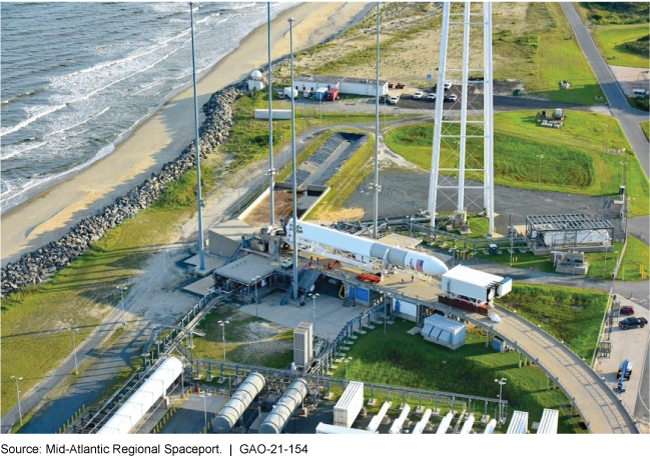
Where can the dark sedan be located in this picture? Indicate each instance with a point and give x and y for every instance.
(632, 322)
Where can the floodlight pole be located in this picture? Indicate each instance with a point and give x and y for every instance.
(375, 185)
(74, 350)
(20, 411)
(271, 164)
(198, 148)
(293, 166)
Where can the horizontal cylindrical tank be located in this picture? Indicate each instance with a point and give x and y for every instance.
(376, 421)
(136, 406)
(489, 428)
(419, 427)
(365, 249)
(241, 399)
(397, 425)
(467, 426)
(444, 424)
(284, 408)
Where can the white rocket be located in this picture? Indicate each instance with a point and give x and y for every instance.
(361, 251)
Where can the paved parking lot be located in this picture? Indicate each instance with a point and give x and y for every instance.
(632, 345)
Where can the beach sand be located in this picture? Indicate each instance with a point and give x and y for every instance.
(47, 216)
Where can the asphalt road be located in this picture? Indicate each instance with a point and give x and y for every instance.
(627, 116)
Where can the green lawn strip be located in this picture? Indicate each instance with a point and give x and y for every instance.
(576, 157)
(543, 54)
(345, 182)
(249, 339)
(81, 295)
(570, 314)
(401, 359)
(602, 264)
(637, 254)
(527, 261)
(646, 129)
(617, 44)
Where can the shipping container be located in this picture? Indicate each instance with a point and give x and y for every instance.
(349, 405)
(333, 95)
(320, 93)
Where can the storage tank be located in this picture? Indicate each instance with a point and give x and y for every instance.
(376, 421)
(419, 427)
(397, 425)
(444, 424)
(284, 408)
(137, 405)
(467, 426)
(489, 428)
(241, 399)
(349, 405)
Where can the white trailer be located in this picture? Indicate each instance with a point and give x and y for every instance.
(328, 429)
(290, 93)
(477, 285)
(349, 405)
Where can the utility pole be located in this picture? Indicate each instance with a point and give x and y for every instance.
(512, 239)
(293, 159)
(501, 383)
(20, 411)
(313, 309)
(271, 164)
(539, 180)
(376, 179)
(74, 350)
(197, 146)
(223, 324)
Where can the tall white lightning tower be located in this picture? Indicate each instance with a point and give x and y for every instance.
(462, 165)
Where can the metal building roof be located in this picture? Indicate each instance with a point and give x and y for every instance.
(248, 269)
(567, 222)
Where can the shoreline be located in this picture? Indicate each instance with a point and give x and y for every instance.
(50, 212)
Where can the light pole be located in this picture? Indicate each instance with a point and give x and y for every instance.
(313, 309)
(293, 166)
(205, 410)
(539, 182)
(198, 148)
(222, 324)
(74, 350)
(122, 288)
(347, 360)
(501, 383)
(271, 164)
(20, 411)
(375, 223)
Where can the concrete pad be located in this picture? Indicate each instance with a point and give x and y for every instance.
(626, 344)
(331, 316)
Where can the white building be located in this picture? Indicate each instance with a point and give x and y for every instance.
(354, 86)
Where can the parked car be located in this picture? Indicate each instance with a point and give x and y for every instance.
(448, 85)
(394, 99)
(627, 310)
(451, 98)
(418, 94)
(632, 322)
(431, 96)
(383, 99)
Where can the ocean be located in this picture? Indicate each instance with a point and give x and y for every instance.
(77, 78)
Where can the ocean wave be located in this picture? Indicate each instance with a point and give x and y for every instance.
(35, 117)
(16, 150)
(27, 94)
(88, 119)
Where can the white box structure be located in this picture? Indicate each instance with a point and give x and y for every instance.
(303, 344)
(349, 405)
(475, 284)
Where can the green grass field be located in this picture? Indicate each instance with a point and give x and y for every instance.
(36, 321)
(345, 181)
(543, 54)
(576, 157)
(248, 339)
(646, 129)
(613, 41)
(637, 255)
(570, 314)
(526, 261)
(407, 360)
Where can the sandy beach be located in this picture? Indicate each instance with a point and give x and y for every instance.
(48, 215)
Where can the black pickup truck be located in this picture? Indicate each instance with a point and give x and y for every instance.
(632, 322)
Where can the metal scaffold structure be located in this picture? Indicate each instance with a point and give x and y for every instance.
(462, 165)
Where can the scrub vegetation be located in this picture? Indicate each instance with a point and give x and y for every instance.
(614, 13)
(624, 45)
